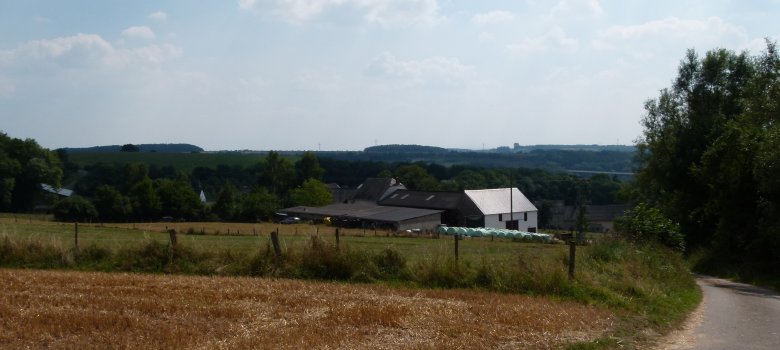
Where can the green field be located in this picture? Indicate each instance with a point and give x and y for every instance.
(253, 237)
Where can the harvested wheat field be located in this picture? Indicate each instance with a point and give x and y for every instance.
(53, 309)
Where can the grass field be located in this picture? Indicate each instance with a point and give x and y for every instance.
(647, 286)
(242, 237)
(77, 310)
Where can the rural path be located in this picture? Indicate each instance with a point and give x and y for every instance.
(732, 316)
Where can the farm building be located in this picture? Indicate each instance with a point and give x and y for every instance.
(504, 208)
(384, 202)
(455, 206)
(601, 218)
(371, 215)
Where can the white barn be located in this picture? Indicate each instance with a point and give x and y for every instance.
(506, 208)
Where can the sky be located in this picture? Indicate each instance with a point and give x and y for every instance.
(348, 74)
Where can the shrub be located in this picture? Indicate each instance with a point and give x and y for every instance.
(645, 224)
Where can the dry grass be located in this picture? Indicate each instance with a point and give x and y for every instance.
(96, 310)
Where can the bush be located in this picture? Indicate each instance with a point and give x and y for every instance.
(646, 224)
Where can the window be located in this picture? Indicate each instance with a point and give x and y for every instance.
(404, 197)
(500, 217)
(429, 197)
(525, 216)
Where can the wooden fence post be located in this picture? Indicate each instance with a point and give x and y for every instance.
(76, 234)
(572, 256)
(172, 234)
(275, 242)
(337, 238)
(456, 247)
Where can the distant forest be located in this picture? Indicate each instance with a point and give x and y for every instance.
(151, 147)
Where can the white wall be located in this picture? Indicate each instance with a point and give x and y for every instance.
(491, 221)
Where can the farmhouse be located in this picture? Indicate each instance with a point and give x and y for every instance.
(386, 203)
(504, 208)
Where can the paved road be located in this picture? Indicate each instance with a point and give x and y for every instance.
(734, 316)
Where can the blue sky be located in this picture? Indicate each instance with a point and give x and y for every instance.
(346, 74)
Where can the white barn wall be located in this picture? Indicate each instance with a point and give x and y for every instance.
(491, 221)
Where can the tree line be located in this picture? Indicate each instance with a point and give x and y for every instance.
(142, 192)
(709, 158)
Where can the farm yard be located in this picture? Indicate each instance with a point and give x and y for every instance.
(95, 310)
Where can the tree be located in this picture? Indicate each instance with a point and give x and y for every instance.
(225, 206)
(646, 224)
(259, 205)
(709, 156)
(146, 204)
(278, 173)
(308, 167)
(74, 209)
(112, 205)
(312, 193)
(415, 177)
(24, 166)
(129, 148)
(177, 198)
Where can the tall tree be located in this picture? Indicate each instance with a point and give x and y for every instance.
(308, 167)
(277, 174)
(24, 166)
(709, 155)
(312, 193)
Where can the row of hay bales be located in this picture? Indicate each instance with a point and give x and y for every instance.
(495, 232)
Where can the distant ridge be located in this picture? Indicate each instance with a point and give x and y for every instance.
(149, 147)
(417, 149)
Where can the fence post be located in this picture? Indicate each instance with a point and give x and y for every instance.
(275, 242)
(572, 256)
(172, 234)
(337, 238)
(456, 247)
(76, 234)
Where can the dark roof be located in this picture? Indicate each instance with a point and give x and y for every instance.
(376, 188)
(593, 212)
(423, 199)
(362, 210)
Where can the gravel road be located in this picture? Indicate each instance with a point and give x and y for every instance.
(732, 316)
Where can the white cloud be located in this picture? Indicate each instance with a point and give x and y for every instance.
(592, 7)
(555, 39)
(418, 72)
(493, 17)
(88, 50)
(139, 32)
(383, 12)
(674, 26)
(158, 16)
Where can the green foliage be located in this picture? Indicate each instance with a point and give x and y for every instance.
(259, 205)
(225, 206)
(278, 173)
(416, 177)
(312, 193)
(76, 209)
(129, 148)
(178, 199)
(308, 167)
(112, 205)
(24, 166)
(709, 159)
(647, 224)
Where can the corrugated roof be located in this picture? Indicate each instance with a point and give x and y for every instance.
(375, 188)
(423, 199)
(496, 201)
(363, 210)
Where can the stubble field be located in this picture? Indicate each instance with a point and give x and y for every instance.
(53, 309)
